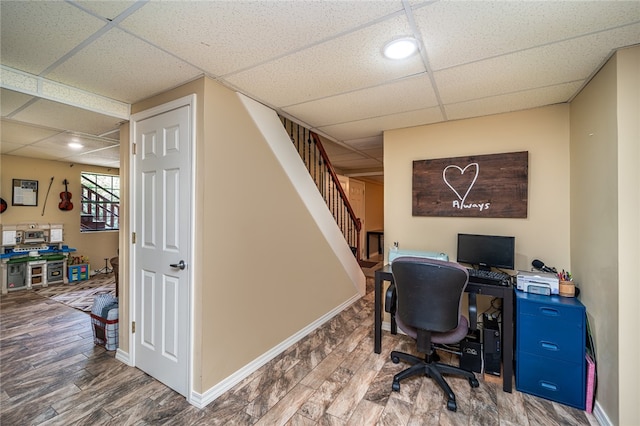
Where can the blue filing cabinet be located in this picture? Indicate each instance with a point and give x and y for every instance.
(550, 348)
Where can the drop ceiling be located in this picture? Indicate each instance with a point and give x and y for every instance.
(317, 62)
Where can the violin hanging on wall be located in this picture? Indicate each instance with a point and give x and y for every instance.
(65, 197)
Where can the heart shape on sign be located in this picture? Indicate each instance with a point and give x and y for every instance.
(462, 171)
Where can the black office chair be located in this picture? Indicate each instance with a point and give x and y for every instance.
(425, 301)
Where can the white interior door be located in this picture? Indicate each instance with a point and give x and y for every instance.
(161, 280)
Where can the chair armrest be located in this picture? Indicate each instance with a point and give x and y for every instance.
(390, 300)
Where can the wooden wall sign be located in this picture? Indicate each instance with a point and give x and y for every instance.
(494, 185)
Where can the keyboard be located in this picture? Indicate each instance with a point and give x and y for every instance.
(488, 277)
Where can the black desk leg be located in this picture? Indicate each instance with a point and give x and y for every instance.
(507, 344)
(473, 312)
(377, 343)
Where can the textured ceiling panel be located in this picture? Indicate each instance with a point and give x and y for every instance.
(109, 155)
(114, 65)
(512, 102)
(61, 142)
(39, 152)
(8, 147)
(40, 32)
(22, 134)
(460, 32)
(11, 101)
(375, 126)
(401, 96)
(366, 143)
(564, 62)
(261, 30)
(55, 115)
(330, 68)
(105, 9)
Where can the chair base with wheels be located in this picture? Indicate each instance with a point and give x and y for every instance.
(430, 368)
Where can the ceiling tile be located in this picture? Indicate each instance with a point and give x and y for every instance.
(106, 9)
(399, 96)
(348, 63)
(11, 101)
(60, 116)
(110, 156)
(375, 126)
(461, 32)
(8, 147)
(22, 134)
(114, 63)
(34, 152)
(512, 102)
(374, 142)
(564, 62)
(61, 142)
(261, 30)
(35, 34)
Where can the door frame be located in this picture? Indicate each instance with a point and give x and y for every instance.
(189, 100)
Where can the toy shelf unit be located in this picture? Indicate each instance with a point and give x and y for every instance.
(32, 254)
(79, 272)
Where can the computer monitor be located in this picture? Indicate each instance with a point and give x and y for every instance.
(486, 251)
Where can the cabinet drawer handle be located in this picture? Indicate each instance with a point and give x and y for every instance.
(549, 346)
(548, 386)
(549, 312)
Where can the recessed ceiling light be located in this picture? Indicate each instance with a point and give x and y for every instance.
(75, 145)
(400, 48)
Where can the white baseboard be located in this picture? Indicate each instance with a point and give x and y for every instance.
(204, 399)
(123, 357)
(600, 415)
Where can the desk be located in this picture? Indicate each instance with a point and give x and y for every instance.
(505, 293)
(380, 234)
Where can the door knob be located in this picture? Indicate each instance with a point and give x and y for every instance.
(181, 265)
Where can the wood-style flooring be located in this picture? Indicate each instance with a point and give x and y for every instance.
(51, 373)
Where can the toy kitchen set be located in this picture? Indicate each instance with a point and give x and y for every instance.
(33, 255)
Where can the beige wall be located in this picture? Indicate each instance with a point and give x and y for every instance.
(95, 245)
(605, 235)
(629, 232)
(263, 269)
(543, 132)
(594, 222)
(374, 205)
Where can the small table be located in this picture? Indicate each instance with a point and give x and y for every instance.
(380, 234)
(504, 292)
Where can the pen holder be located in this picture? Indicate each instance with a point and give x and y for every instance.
(567, 289)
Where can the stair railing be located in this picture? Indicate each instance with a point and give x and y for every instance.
(103, 209)
(317, 162)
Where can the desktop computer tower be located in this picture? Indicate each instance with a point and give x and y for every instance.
(471, 352)
(492, 350)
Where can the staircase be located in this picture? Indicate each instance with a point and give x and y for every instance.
(313, 155)
(99, 213)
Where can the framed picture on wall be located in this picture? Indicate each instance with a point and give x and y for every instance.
(25, 192)
(494, 185)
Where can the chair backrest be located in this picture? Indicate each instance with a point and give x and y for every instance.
(429, 292)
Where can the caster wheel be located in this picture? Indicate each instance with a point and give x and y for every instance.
(395, 387)
(395, 359)
(452, 406)
(474, 383)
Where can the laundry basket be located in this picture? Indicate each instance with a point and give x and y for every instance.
(104, 321)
